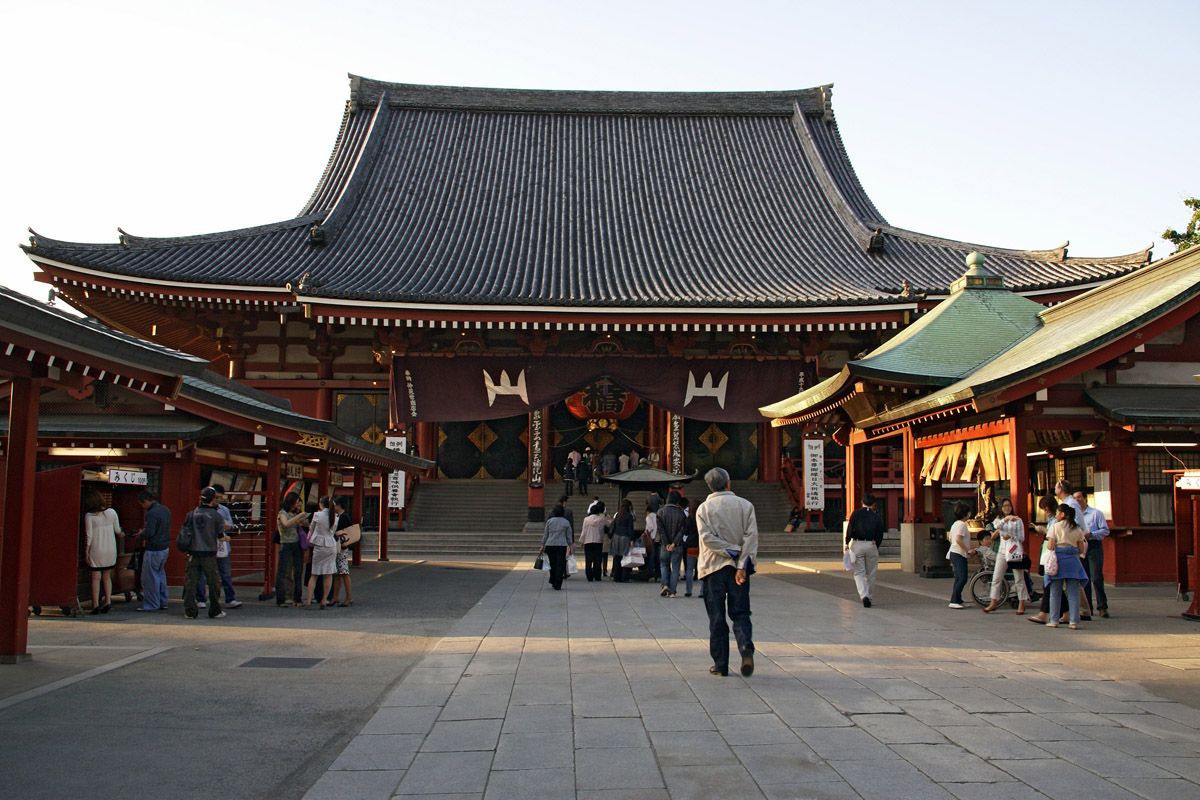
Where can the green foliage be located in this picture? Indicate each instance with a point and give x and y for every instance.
(1191, 235)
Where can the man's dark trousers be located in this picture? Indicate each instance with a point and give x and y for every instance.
(721, 595)
(201, 567)
(1093, 563)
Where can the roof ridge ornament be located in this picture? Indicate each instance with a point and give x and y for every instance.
(977, 275)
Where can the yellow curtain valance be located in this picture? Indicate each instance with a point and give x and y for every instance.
(989, 456)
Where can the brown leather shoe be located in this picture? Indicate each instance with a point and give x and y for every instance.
(747, 665)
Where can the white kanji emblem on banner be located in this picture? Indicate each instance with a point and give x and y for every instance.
(706, 389)
(505, 386)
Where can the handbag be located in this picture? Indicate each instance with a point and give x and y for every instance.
(1051, 564)
(789, 528)
(302, 538)
(537, 562)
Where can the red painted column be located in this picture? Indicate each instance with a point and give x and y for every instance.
(913, 509)
(271, 500)
(858, 460)
(16, 549)
(384, 515)
(426, 439)
(323, 487)
(360, 478)
(1193, 611)
(1018, 470)
(768, 453)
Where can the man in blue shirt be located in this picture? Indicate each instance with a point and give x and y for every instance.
(156, 536)
(1097, 532)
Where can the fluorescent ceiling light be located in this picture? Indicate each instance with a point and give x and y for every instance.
(1166, 444)
(90, 452)
(1038, 453)
(1079, 447)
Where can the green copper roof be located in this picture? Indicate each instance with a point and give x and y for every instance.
(1072, 330)
(977, 322)
(968, 329)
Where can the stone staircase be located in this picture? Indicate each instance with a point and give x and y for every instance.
(487, 518)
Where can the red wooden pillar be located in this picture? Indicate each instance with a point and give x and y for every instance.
(1018, 470)
(16, 548)
(858, 462)
(426, 433)
(360, 477)
(768, 453)
(913, 507)
(1193, 611)
(323, 487)
(384, 515)
(271, 501)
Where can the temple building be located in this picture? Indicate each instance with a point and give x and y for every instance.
(510, 275)
(996, 390)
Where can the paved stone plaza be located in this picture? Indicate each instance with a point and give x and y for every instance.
(602, 691)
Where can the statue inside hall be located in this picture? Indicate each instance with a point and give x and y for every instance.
(987, 504)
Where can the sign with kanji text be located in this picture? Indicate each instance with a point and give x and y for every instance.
(396, 479)
(814, 474)
(126, 477)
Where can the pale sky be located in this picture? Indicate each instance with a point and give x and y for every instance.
(1014, 124)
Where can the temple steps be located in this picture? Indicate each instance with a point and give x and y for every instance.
(488, 518)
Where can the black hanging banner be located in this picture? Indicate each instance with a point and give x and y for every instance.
(464, 388)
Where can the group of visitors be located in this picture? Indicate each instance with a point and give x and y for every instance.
(1071, 563)
(581, 469)
(313, 553)
(313, 558)
(716, 542)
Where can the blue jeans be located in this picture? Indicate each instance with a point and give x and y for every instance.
(1094, 564)
(290, 555)
(722, 595)
(154, 579)
(689, 571)
(225, 573)
(669, 566)
(1056, 590)
(959, 563)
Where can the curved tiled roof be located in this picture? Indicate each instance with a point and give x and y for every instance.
(587, 199)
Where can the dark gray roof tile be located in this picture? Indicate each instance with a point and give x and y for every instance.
(599, 199)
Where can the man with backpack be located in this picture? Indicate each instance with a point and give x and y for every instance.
(202, 529)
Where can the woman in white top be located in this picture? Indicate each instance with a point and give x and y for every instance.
(1011, 531)
(960, 550)
(324, 550)
(101, 529)
(591, 536)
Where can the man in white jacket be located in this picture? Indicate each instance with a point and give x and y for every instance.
(728, 549)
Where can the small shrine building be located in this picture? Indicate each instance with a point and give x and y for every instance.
(991, 388)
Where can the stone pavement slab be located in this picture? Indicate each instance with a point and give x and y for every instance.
(602, 691)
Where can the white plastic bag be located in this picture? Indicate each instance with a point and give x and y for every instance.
(572, 567)
(848, 559)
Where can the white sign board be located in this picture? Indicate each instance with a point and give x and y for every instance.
(294, 472)
(126, 477)
(1189, 480)
(814, 474)
(396, 479)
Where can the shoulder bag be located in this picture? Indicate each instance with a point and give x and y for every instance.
(1051, 564)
